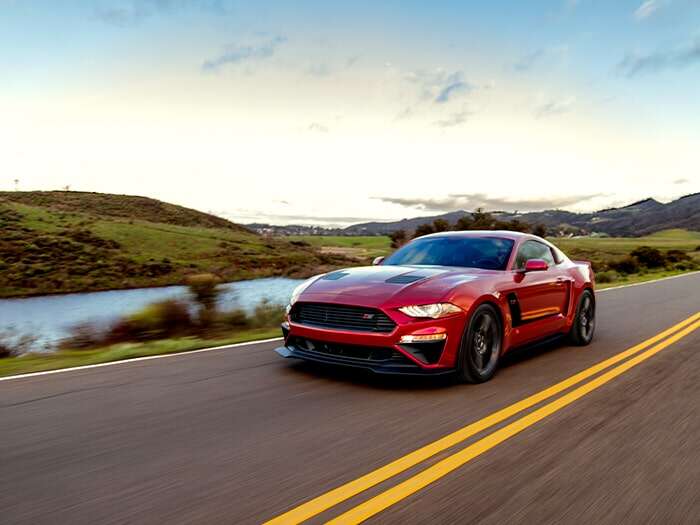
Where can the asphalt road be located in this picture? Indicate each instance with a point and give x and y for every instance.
(240, 435)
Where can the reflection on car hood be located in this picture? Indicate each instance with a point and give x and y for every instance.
(377, 285)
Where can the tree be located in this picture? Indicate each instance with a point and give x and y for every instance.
(423, 229)
(440, 225)
(464, 223)
(398, 238)
(482, 220)
(540, 230)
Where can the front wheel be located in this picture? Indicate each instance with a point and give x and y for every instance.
(582, 329)
(481, 346)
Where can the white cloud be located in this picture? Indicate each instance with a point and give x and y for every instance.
(646, 9)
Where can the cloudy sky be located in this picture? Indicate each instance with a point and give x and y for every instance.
(339, 112)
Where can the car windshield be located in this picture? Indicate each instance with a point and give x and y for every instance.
(488, 253)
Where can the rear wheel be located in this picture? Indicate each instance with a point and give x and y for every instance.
(481, 346)
(583, 328)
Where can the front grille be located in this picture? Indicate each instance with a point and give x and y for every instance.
(374, 354)
(342, 317)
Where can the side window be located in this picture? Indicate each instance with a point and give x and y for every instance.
(533, 250)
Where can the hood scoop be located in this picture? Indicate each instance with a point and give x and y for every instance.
(334, 276)
(406, 278)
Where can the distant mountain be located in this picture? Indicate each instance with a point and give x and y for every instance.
(385, 228)
(636, 219)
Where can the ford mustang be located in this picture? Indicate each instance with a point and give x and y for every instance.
(452, 302)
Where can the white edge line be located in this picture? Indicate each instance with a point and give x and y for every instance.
(648, 282)
(249, 343)
(137, 359)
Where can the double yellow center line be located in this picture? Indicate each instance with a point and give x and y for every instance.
(374, 505)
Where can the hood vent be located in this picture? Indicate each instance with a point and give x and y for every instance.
(406, 278)
(335, 276)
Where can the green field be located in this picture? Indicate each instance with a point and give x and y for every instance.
(55, 242)
(664, 240)
(366, 247)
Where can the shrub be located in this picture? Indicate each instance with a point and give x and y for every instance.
(626, 265)
(398, 238)
(267, 315)
(13, 344)
(464, 223)
(609, 276)
(205, 290)
(234, 318)
(83, 336)
(162, 319)
(686, 265)
(423, 229)
(440, 225)
(649, 257)
(540, 230)
(675, 256)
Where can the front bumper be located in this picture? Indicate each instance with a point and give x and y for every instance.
(382, 353)
(395, 365)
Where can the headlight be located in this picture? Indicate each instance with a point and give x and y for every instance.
(433, 311)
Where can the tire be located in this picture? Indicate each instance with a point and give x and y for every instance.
(583, 328)
(481, 346)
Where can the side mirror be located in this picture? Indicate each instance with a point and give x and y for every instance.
(536, 265)
(378, 260)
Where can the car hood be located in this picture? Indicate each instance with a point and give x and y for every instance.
(390, 285)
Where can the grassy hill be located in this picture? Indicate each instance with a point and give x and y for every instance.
(72, 241)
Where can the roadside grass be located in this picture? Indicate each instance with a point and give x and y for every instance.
(641, 278)
(35, 362)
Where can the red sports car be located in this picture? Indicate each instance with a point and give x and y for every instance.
(452, 302)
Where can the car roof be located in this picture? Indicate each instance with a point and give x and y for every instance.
(504, 234)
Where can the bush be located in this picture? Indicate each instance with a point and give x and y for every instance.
(234, 318)
(649, 257)
(205, 290)
(540, 230)
(626, 265)
(13, 344)
(267, 315)
(83, 336)
(423, 229)
(675, 256)
(440, 225)
(685, 265)
(609, 276)
(160, 320)
(398, 238)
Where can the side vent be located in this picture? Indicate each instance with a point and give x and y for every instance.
(514, 307)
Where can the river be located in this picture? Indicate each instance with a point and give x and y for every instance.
(50, 317)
